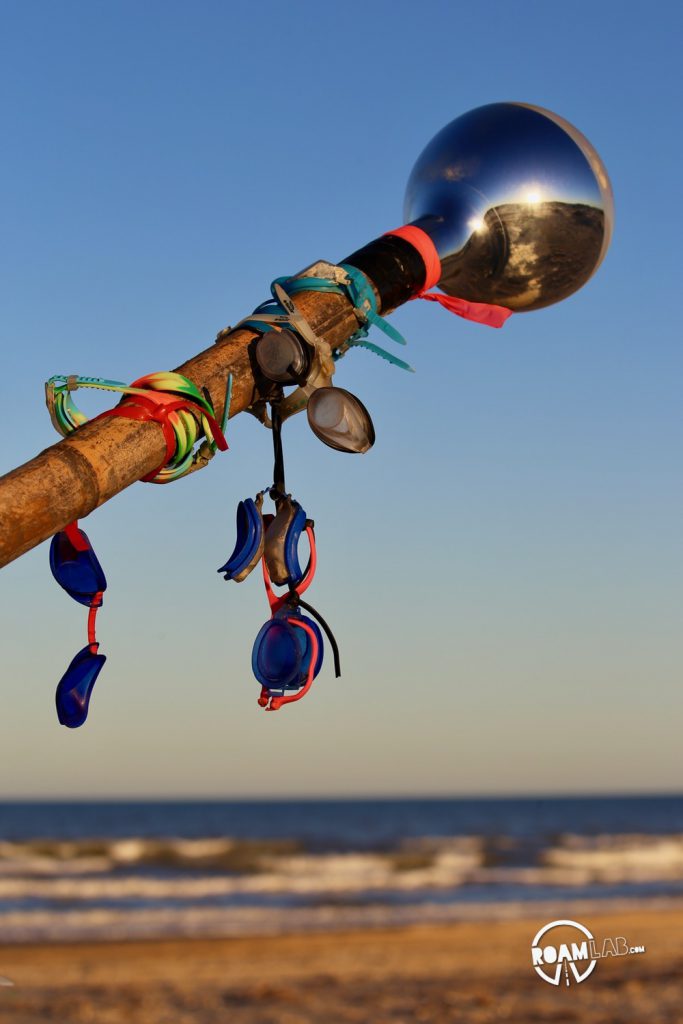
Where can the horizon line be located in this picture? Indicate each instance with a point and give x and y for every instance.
(340, 797)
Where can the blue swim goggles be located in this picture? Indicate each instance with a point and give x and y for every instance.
(288, 651)
(76, 568)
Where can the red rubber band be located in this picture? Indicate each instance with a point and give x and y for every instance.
(421, 241)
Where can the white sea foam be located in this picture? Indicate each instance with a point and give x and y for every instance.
(148, 887)
(304, 874)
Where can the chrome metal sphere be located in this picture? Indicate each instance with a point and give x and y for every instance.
(517, 202)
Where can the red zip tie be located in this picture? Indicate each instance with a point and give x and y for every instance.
(187, 403)
(156, 407)
(145, 410)
(479, 312)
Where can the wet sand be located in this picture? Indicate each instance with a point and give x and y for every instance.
(467, 972)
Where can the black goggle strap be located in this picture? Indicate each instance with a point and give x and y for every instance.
(328, 632)
(278, 488)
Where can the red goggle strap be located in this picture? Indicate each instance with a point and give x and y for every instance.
(276, 602)
(479, 312)
(75, 537)
(92, 616)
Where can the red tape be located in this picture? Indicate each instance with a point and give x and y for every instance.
(421, 241)
(479, 312)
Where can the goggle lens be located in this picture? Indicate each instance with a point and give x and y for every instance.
(74, 689)
(276, 657)
(77, 571)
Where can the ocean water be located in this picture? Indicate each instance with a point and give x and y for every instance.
(129, 869)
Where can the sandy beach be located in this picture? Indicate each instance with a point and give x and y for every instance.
(469, 972)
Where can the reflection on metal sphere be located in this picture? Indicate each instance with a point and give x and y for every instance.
(517, 202)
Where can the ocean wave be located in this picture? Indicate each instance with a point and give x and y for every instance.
(109, 925)
(243, 865)
(304, 874)
(58, 856)
(138, 887)
(618, 858)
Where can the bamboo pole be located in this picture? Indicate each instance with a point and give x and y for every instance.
(70, 479)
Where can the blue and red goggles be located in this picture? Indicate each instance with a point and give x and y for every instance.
(275, 538)
(288, 651)
(76, 568)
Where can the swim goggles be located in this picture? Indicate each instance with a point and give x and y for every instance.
(76, 568)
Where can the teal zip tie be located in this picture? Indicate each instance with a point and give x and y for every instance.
(383, 354)
(361, 293)
(271, 314)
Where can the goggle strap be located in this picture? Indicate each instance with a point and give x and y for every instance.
(328, 632)
(92, 616)
(278, 454)
(75, 537)
(276, 602)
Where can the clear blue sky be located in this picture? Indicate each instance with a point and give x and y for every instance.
(504, 569)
